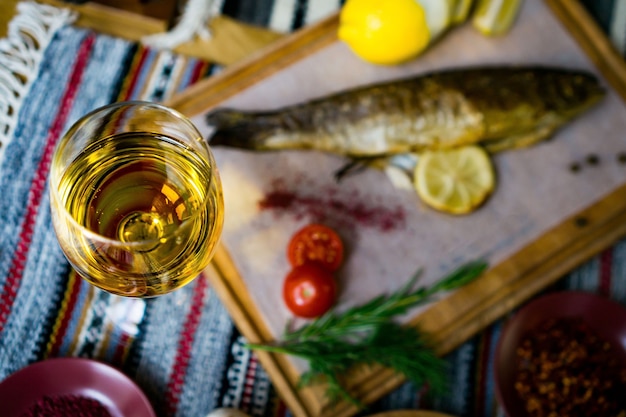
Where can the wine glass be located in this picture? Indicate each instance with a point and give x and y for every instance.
(136, 199)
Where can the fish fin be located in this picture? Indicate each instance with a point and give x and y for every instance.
(353, 166)
(358, 164)
(525, 139)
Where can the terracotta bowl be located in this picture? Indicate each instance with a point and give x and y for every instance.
(73, 376)
(605, 317)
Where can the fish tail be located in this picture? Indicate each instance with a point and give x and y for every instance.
(235, 128)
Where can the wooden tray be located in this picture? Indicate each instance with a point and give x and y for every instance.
(459, 316)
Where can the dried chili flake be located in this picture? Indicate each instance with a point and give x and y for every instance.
(67, 405)
(564, 369)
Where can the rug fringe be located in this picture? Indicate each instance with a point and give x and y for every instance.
(194, 22)
(21, 53)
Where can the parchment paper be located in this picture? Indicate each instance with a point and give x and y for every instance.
(535, 190)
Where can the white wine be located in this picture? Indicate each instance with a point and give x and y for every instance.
(138, 214)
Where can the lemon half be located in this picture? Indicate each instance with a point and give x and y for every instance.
(455, 181)
(390, 32)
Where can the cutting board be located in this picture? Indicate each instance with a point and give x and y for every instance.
(542, 221)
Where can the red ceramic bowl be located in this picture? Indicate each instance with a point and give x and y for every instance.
(73, 376)
(604, 316)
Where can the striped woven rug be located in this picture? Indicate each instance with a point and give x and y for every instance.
(182, 349)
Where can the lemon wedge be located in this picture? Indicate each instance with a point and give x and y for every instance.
(454, 181)
(495, 17)
(461, 11)
(392, 32)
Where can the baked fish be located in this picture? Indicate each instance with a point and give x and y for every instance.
(498, 107)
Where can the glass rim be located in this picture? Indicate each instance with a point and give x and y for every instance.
(95, 236)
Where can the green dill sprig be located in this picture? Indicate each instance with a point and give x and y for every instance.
(367, 334)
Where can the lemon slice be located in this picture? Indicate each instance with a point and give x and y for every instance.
(455, 181)
(495, 17)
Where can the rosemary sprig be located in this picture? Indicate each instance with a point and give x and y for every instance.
(366, 334)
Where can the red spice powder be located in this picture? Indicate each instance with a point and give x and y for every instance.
(335, 208)
(65, 406)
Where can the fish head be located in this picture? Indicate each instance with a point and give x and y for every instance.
(577, 92)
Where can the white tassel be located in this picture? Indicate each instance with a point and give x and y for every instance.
(194, 22)
(21, 52)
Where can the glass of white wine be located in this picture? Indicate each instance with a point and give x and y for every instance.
(136, 199)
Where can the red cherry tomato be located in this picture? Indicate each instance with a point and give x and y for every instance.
(318, 243)
(309, 290)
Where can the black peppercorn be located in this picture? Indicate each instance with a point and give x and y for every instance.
(593, 159)
(575, 167)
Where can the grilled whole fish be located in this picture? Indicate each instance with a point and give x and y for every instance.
(498, 107)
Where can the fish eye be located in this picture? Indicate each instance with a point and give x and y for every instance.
(568, 91)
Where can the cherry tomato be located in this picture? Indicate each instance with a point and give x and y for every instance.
(316, 242)
(309, 290)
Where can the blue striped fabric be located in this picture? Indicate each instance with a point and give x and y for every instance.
(17, 171)
(175, 348)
